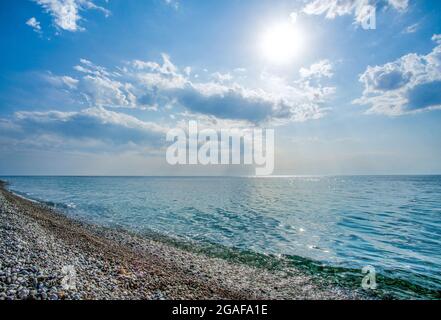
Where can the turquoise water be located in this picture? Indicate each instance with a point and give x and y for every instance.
(390, 222)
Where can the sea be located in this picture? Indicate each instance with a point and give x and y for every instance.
(330, 226)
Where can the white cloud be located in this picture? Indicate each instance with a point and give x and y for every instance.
(399, 4)
(436, 38)
(293, 16)
(335, 8)
(101, 115)
(240, 70)
(412, 28)
(61, 81)
(187, 71)
(152, 86)
(322, 68)
(34, 24)
(173, 3)
(87, 128)
(222, 77)
(66, 13)
(407, 85)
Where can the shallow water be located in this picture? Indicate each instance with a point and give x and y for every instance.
(390, 222)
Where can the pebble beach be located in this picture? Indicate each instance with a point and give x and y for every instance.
(45, 255)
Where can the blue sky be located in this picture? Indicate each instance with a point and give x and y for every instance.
(92, 86)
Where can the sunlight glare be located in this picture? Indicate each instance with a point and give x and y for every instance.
(281, 43)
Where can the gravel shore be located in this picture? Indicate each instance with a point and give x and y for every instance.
(45, 255)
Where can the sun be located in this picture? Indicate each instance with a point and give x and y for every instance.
(281, 43)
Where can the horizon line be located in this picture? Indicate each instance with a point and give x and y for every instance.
(221, 176)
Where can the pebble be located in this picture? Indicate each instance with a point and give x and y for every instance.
(53, 296)
(23, 294)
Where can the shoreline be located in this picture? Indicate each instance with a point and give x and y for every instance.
(38, 245)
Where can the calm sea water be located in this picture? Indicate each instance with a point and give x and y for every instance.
(390, 222)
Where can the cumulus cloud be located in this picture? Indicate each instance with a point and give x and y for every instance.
(66, 13)
(34, 24)
(336, 8)
(410, 84)
(322, 68)
(152, 85)
(95, 126)
(390, 76)
(233, 102)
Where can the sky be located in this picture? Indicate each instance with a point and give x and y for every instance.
(91, 87)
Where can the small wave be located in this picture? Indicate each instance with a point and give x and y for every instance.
(59, 205)
(71, 205)
(24, 195)
(390, 287)
(29, 197)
